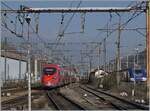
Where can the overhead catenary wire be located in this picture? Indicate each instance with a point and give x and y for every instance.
(129, 20)
(62, 22)
(23, 19)
(45, 43)
(13, 32)
(66, 26)
(21, 22)
(6, 5)
(132, 17)
(122, 25)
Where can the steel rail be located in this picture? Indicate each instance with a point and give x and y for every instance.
(14, 102)
(13, 90)
(102, 98)
(57, 106)
(118, 98)
(77, 104)
(53, 101)
(15, 105)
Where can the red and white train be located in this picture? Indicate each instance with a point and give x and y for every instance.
(54, 75)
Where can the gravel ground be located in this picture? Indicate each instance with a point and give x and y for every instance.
(39, 100)
(90, 101)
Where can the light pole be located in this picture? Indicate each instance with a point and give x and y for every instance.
(5, 60)
(118, 50)
(28, 20)
(127, 61)
(20, 65)
(99, 55)
(90, 63)
(104, 54)
(136, 65)
(137, 54)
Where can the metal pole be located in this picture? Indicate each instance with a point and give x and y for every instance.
(120, 63)
(35, 69)
(137, 57)
(133, 90)
(29, 81)
(134, 61)
(118, 51)
(5, 60)
(28, 19)
(127, 66)
(8, 72)
(109, 66)
(90, 62)
(127, 61)
(20, 67)
(147, 47)
(99, 56)
(105, 54)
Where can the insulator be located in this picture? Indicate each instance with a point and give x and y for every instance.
(62, 18)
(5, 14)
(37, 23)
(82, 22)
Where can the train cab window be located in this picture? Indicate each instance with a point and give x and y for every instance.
(138, 72)
(49, 71)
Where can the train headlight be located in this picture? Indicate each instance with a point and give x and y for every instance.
(54, 78)
(49, 84)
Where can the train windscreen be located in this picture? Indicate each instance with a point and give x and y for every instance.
(138, 72)
(49, 71)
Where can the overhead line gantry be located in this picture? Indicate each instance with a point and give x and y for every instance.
(74, 10)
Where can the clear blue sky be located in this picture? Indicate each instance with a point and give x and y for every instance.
(49, 25)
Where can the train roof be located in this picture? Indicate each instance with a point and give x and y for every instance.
(50, 65)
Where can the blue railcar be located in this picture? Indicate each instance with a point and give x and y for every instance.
(137, 74)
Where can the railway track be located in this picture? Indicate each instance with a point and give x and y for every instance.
(18, 103)
(12, 91)
(116, 102)
(61, 102)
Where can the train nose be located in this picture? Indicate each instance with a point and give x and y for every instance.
(49, 83)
